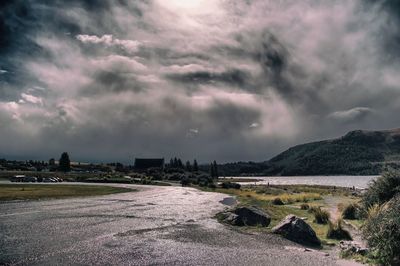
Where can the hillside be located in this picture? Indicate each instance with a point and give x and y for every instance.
(356, 153)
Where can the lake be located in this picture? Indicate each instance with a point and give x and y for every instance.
(339, 181)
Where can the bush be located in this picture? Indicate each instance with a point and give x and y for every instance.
(304, 206)
(212, 185)
(185, 182)
(336, 231)
(350, 211)
(321, 216)
(277, 201)
(382, 231)
(230, 185)
(313, 209)
(382, 189)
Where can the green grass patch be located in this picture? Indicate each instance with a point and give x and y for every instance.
(368, 259)
(41, 191)
(293, 197)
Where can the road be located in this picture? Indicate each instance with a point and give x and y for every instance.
(154, 226)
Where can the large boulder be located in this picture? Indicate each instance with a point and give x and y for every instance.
(297, 230)
(250, 216)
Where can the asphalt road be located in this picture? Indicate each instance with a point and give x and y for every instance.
(154, 226)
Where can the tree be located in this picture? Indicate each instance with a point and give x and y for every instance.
(64, 163)
(195, 166)
(180, 164)
(214, 170)
(171, 163)
(188, 166)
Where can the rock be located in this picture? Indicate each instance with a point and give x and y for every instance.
(353, 247)
(251, 216)
(231, 218)
(297, 230)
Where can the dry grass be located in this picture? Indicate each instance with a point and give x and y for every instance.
(41, 191)
(285, 197)
(293, 198)
(336, 231)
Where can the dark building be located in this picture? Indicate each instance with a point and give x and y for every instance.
(144, 164)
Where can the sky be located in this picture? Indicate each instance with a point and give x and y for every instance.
(225, 80)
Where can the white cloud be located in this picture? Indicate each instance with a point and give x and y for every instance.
(254, 125)
(352, 114)
(31, 99)
(130, 46)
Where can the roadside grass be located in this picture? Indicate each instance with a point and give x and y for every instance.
(238, 179)
(368, 260)
(286, 197)
(293, 189)
(40, 191)
(293, 197)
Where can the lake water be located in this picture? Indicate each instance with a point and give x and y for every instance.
(339, 181)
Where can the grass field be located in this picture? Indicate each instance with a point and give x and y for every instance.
(292, 196)
(40, 191)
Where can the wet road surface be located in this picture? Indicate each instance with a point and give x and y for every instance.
(154, 226)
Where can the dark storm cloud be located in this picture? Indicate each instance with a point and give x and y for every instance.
(234, 77)
(225, 80)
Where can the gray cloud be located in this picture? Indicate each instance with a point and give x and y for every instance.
(225, 80)
(351, 115)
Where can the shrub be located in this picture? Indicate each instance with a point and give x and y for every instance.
(321, 216)
(382, 231)
(350, 211)
(382, 189)
(230, 185)
(185, 182)
(304, 206)
(212, 185)
(313, 209)
(277, 201)
(336, 231)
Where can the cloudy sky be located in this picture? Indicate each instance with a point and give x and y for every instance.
(109, 80)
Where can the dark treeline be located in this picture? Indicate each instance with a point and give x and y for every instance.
(188, 166)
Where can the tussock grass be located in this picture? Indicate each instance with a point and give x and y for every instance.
(320, 216)
(350, 211)
(293, 198)
(287, 198)
(336, 231)
(382, 231)
(304, 206)
(277, 201)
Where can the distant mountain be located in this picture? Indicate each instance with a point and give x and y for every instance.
(356, 153)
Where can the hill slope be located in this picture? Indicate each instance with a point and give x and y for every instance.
(357, 153)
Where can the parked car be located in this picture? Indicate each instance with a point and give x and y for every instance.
(17, 178)
(29, 179)
(49, 180)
